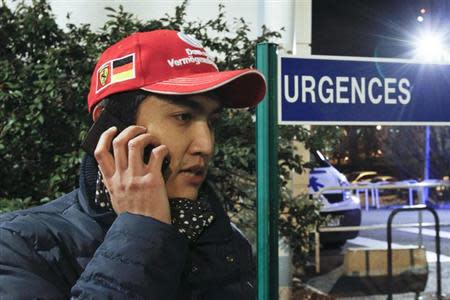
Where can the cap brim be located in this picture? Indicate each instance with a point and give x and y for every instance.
(237, 88)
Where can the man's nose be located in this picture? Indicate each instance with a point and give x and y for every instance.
(202, 140)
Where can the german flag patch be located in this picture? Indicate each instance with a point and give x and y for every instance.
(116, 70)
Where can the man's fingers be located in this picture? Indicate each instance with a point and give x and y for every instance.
(120, 145)
(136, 150)
(102, 152)
(157, 157)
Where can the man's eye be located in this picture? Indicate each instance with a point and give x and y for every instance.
(184, 117)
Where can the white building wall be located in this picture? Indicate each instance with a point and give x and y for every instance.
(93, 12)
(274, 13)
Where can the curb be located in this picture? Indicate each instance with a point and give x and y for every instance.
(304, 291)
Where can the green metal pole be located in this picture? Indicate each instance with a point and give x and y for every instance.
(267, 175)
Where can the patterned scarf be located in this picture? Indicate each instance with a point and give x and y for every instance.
(190, 217)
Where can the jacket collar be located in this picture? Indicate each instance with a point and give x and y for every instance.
(219, 230)
(86, 192)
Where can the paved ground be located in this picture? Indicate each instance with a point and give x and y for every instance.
(331, 279)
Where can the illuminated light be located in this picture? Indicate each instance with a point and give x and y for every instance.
(423, 11)
(346, 158)
(379, 127)
(355, 199)
(347, 195)
(420, 19)
(430, 47)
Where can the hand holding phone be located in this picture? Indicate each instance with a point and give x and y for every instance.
(104, 122)
(134, 186)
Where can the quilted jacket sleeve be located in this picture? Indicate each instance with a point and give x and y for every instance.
(140, 258)
(23, 273)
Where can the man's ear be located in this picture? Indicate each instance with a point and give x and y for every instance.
(97, 112)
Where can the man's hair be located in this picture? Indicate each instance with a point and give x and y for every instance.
(124, 106)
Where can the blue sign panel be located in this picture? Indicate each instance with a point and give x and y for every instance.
(362, 91)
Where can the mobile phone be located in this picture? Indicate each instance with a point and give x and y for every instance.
(104, 122)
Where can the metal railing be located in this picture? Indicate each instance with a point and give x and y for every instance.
(374, 191)
(420, 224)
(375, 187)
(419, 208)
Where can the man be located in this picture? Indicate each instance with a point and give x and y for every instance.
(137, 229)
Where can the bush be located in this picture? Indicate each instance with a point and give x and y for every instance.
(43, 113)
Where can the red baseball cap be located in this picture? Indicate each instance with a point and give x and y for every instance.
(173, 63)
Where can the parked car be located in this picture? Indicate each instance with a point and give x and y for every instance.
(386, 180)
(383, 179)
(361, 176)
(440, 194)
(343, 206)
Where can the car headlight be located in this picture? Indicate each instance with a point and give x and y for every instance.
(347, 195)
(355, 199)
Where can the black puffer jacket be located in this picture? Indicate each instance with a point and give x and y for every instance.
(65, 249)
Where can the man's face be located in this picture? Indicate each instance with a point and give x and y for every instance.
(185, 126)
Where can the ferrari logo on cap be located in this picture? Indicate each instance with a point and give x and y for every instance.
(104, 73)
(103, 76)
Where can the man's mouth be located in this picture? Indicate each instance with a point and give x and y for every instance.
(194, 174)
(196, 170)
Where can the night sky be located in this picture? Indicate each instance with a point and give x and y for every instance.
(373, 28)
